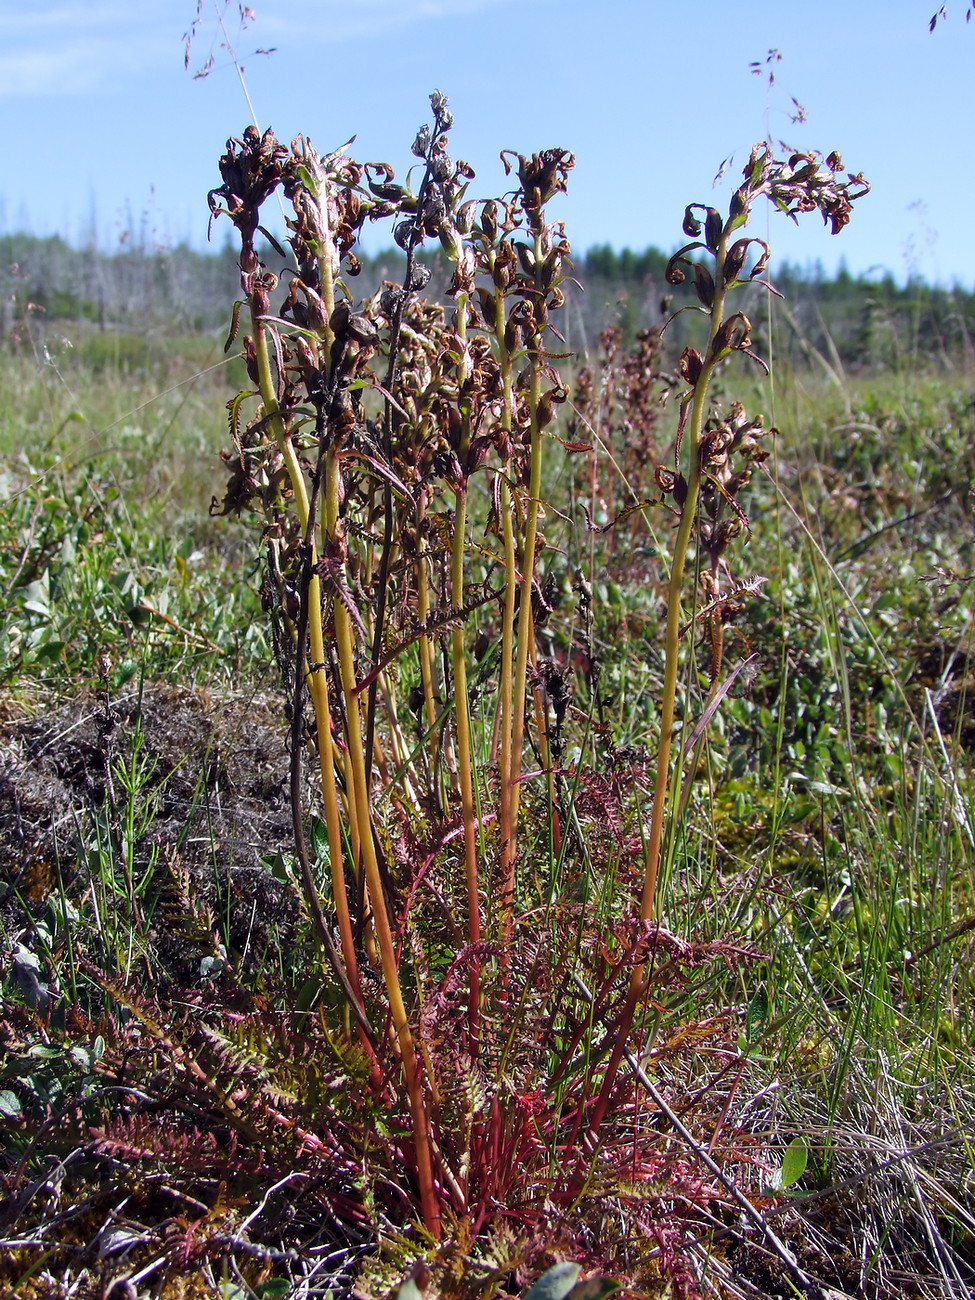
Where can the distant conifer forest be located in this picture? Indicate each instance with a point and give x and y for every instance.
(853, 320)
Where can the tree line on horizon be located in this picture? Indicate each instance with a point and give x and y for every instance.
(855, 319)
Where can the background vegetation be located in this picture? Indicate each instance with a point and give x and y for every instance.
(870, 321)
(168, 1051)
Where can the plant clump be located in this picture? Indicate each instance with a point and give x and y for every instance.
(456, 1076)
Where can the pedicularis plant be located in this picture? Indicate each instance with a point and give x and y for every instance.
(395, 451)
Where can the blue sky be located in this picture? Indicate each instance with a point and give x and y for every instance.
(104, 129)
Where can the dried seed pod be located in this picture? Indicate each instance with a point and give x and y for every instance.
(526, 259)
(419, 277)
(441, 167)
(250, 360)
(713, 228)
(464, 219)
(434, 212)
(674, 274)
(391, 299)
(703, 284)
(733, 334)
(735, 260)
(690, 225)
(489, 307)
(362, 329)
(690, 366)
(489, 220)
(403, 233)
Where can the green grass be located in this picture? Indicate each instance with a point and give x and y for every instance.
(830, 826)
(107, 475)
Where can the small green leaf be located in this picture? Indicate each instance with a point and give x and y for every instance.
(756, 1017)
(9, 1105)
(124, 673)
(555, 1283)
(49, 651)
(68, 552)
(594, 1288)
(271, 1290)
(279, 867)
(308, 995)
(794, 1161)
(318, 834)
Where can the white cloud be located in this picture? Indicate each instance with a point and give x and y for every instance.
(58, 69)
(54, 49)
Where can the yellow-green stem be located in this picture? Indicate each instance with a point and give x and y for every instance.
(525, 638)
(380, 919)
(425, 645)
(316, 677)
(688, 520)
(465, 761)
(507, 663)
(465, 753)
(668, 704)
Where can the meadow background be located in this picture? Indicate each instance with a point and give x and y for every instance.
(164, 1001)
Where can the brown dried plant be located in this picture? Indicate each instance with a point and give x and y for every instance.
(374, 421)
(394, 451)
